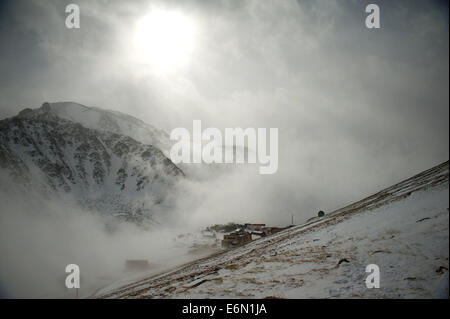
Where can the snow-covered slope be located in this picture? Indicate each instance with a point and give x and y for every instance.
(114, 174)
(106, 120)
(402, 229)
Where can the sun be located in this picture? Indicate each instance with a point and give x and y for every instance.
(164, 39)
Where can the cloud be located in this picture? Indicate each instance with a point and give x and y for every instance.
(358, 100)
(38, 239)
(357, 109)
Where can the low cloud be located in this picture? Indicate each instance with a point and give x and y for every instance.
(357, 110)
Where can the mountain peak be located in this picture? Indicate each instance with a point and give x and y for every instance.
(102, 120)
(108, 161)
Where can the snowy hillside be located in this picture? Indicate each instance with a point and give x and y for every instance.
(403, 229)
(114, 174)
(106, 120)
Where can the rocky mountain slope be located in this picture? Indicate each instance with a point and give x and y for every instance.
(403, 229)
(89, 155)
(108, 120)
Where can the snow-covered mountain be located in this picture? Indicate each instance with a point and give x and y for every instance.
(106, 120)
(402, 229)
(106, 161)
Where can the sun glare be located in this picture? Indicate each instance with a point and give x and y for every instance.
(164, 39)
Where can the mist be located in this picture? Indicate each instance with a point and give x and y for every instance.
(38, 239)
(357, 110)
(369, 100)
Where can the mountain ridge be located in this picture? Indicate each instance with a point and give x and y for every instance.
(105, 171)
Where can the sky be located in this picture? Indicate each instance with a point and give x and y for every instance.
(357, 109)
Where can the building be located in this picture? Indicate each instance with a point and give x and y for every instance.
(235, 239)
(254, 227)
(208, 234)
